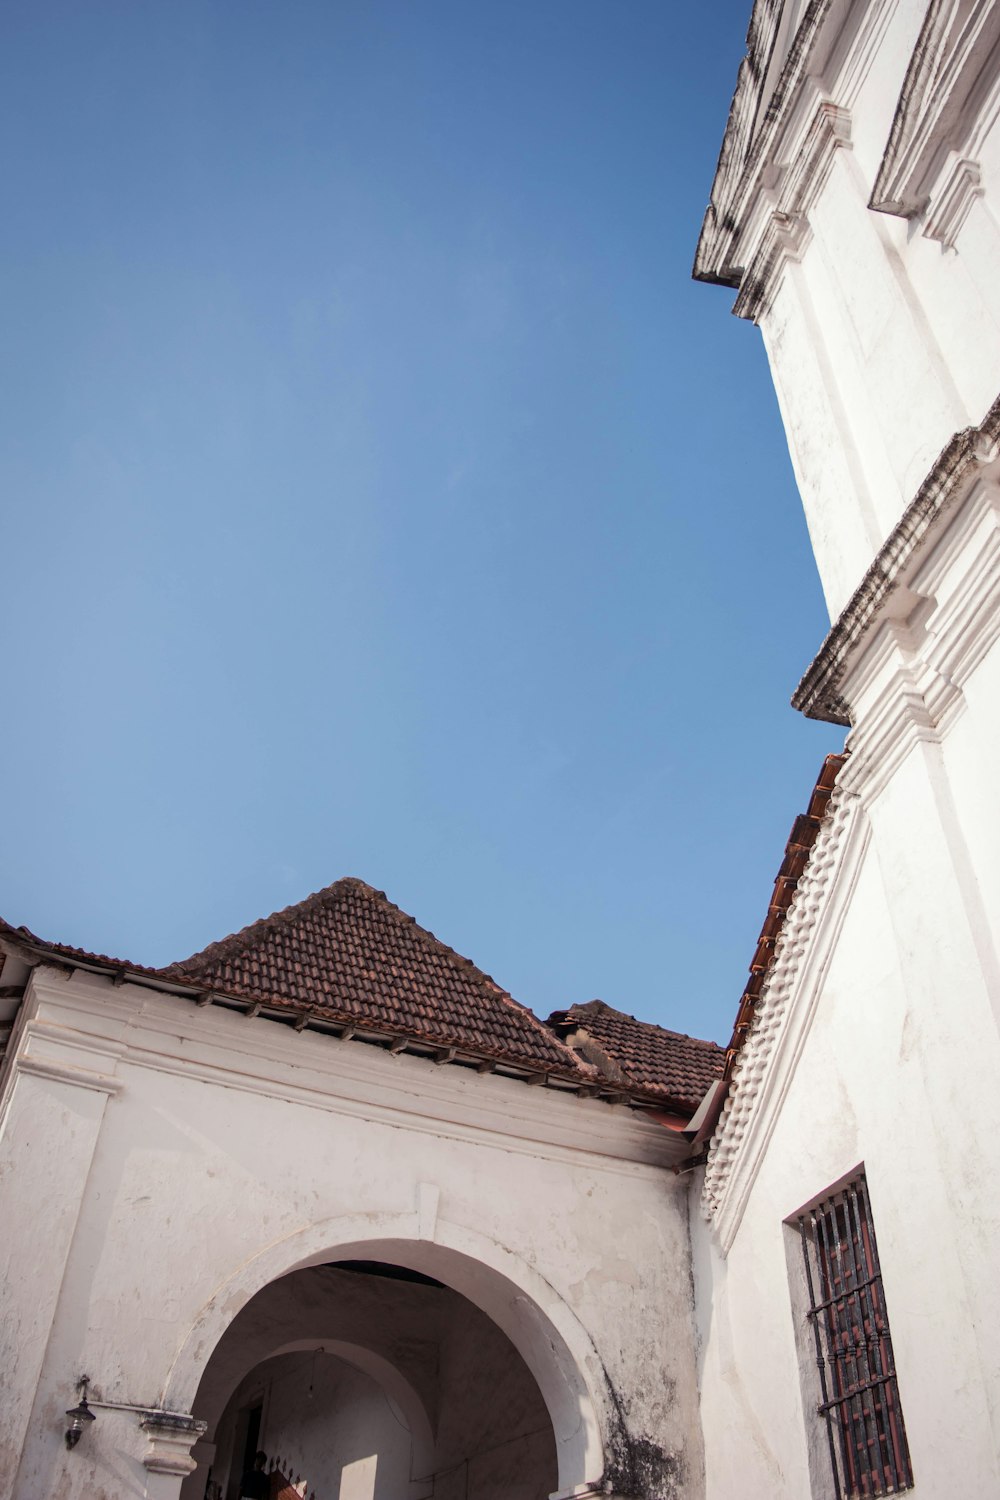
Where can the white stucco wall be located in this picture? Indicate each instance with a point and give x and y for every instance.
(217, 1152)
(876, 1043)
(883, 341)
(886, 1077)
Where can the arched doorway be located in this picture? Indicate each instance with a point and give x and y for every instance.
(463, 1373)
(392, 1386)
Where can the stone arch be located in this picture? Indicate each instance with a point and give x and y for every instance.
(545, 1332)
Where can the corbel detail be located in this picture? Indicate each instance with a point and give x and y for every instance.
(950, 204)
(970, 455)
(945, 74)
(788, 232)
(171, 1438)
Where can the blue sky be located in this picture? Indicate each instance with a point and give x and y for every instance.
(383, 498)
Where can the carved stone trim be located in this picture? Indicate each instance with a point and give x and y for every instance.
(747, 143)
(950, 206)
(820, 693)
(944, 71)
(788, 231)
(171, 1439)
(755, 1073)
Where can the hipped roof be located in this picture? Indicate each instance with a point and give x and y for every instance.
(346, 959)
(349, 954)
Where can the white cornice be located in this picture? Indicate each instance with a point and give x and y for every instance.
(787, 232)
(956, 58)
(171, 1036)
(748, 145)
(900, 718)
(766, 1064)
(909, 685)
(830, 55)
(970, 458)
(56, 1072)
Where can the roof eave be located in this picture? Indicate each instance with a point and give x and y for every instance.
(307, 1018)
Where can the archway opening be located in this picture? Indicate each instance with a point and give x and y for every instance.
(368, 1380)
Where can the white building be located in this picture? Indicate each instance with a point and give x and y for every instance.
(325, 1189)
(855, 210)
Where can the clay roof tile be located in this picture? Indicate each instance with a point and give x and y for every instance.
(666, 1065)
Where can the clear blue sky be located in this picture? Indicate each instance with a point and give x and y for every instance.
(381, 497)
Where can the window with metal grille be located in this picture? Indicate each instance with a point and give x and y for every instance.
(860, 1397)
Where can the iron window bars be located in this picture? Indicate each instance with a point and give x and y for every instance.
(857, 1375)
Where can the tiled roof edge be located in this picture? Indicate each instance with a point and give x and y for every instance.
(171, 981)
(558, 1016)
(796, 857)
(238, 942)
(244, 937)
(798, 850)
(576, 1016)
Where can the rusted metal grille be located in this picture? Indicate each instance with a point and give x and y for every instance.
(860, 1397)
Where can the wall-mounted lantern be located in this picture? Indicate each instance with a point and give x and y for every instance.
(171, 1434)
(79, 1415)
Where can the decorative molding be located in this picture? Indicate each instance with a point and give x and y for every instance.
(961, 185)
(784, 1011)
(829, 128)
(820, 694)
(910, 682)
(900, 718)
(61, 1053)
(798, 851)
(171, 1439)
(747, 145)
(784, 240)
(961, 636)
(958, 41)
(632, 1144)
(213, 1045)
(788, 231)
(40, 1067)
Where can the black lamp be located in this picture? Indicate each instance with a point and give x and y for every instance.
(79, 1414)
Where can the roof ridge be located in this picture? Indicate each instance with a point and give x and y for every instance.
(661, 1063)
(459, 961)
(681, 1036)
(238, 941)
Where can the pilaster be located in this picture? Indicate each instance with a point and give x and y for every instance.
(56, 1100)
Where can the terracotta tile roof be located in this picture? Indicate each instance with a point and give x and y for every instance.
(798, 849)
(348, 954)
(667, 1065)
(24, 935)
(347, 957)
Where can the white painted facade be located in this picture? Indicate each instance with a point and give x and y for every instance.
(875, 1039)
(163, 1163)
(180, 1184)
